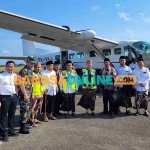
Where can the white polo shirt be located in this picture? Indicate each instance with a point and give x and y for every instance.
(7, 86)
(51, 87)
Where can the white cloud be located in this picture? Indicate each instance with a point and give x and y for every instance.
(124, 15)
(130, 32)
(117, 6)
(147, 20)
(95, 7)
(6, 52)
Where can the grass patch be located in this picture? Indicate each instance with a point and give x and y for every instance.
(16, 70)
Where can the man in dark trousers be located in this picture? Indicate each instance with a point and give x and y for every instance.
(108, 90)
(59, 97)
(25, 93)
(9, 101)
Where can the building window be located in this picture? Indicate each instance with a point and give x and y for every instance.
(117, 51)
(80, 55)
(106, 52)
(57, 57)
(93, 54)
(71, 55)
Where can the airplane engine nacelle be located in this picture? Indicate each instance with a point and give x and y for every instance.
(86, 35)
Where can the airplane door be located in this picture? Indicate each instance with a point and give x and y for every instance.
(130, 53)
(64, 58)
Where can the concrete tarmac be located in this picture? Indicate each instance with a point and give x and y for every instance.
(99, 132)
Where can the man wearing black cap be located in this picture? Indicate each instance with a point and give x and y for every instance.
(134, 64)
(52, 89)
(108, 90)
(24, 93)
(122, 69)
(58, 100)
(142, 85)
(69, 89)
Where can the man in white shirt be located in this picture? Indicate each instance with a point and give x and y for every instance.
(134, 64)
(142, 85)
(8, 100)
(122, 69)
(52, 89)
(70, 88)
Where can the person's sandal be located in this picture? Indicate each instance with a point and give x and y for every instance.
(34, 125)
(46, 119)
(86, 114)
(37, 121)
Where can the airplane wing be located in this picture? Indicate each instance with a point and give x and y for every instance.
(46, 33)
(14, 57)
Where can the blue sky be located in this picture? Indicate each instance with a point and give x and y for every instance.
(110, 19)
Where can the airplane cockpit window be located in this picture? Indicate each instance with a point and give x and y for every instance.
(142, 46)
(57, 57)
(130, 53)
(71, 55)
(80, 55)
(117, 51)
(92, 54)
(106, 52)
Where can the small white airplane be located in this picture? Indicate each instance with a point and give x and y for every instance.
(77, 46)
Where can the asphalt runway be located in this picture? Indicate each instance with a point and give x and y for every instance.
(99, 132)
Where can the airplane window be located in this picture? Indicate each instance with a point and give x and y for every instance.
(92, 54)
(57, 57)
(106, 52)
(142, 46)
(117, 51)
(71, 55)
(80, 55)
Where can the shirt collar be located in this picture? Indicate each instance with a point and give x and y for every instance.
(8, 73)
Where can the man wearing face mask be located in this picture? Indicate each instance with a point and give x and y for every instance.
(142, 85)
(25, 92)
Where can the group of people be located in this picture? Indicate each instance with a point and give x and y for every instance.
(52, 98)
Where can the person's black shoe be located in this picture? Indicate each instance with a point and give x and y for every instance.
(5, 138)
(23, 129)
(29, 126)
(146, 114)
(13, 133)
(128, 112)
(111, 115)
(59, 113)
(105, 112)
(117, 111)
(137, 113)
(134, 107)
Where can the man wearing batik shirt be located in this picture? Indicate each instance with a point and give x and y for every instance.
(25, 92)
(108, 90)
(142, 85)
